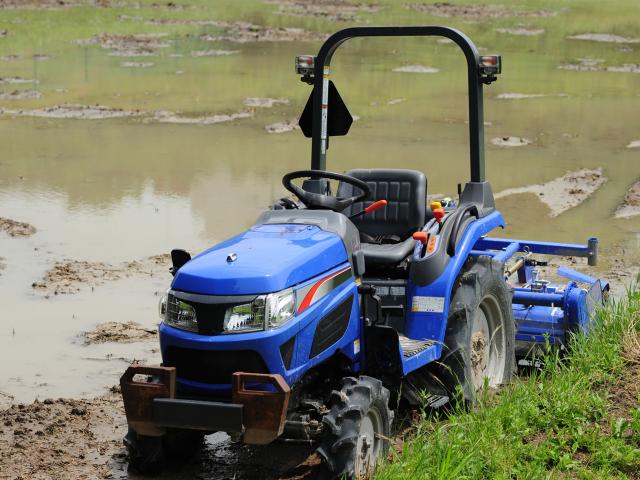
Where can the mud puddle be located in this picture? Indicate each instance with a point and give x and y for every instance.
(335, 10)
(510, 141)
(244, 32)
(137, 45)
(523, 96)
(522, 31)
(137, 64)
(416, 69)
(603, 38)
(15, 228)
(630, 206)
(73, 111)
(258, 102)
(170, 117)
(445, 9)
(118, 332)
(72, 276)
(18, 81)
(20, 95)
(563, 193)
(282, 127)
(212, 53)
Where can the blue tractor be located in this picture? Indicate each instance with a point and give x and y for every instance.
(331, 311)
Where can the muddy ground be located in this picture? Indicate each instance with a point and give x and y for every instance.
(72, 276)
(16, 228)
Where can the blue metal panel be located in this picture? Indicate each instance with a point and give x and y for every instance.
(267, 343)
(269, 258)
(432, 325)
(535, 324)
(547, 248)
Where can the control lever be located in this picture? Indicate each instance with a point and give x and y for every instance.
(377, 205)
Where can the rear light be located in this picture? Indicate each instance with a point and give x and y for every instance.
(305, 65)
(490, 65)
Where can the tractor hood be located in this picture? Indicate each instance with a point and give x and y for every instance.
(264, 259)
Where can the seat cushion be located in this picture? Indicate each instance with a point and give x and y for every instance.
(387, 253)
(406, 194)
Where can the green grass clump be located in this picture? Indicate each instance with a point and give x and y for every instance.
(579, 417)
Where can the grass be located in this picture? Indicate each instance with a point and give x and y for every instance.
(577, 418)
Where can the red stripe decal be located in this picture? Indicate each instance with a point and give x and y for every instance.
(309, 297)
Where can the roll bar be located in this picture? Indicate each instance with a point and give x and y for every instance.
(476, 76)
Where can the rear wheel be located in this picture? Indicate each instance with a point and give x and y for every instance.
(479, 344)
(357, 429)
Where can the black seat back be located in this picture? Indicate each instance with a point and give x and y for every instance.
(406, 194)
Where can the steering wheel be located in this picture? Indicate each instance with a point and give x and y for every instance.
(318, 201)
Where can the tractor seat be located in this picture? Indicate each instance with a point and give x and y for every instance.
(385, 235)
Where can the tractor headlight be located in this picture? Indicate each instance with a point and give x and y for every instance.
(263, 313)
(179, 314)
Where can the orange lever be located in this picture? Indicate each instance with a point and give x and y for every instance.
(422, 236)
(439, 214)
(375, 206)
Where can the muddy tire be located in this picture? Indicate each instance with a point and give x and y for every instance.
(357, 429)
(146, 454)
(182, 444)
(479, 345)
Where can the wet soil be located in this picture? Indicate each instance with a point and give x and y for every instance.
(74, 111)
(17, 81)
(630, 206)
(416, 69)
(510, 141)
(72, 276)
(335, 10)
(521, 31)
(15, 228)
(522, 96)
(138, 45)
(282, 127)
(445, 9)
(564, 192)
(170, 117)
(604, 38)
(20, 95)
(66, 438)
(118, 332)
(244, 32)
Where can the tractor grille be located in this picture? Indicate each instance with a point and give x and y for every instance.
(212, 366)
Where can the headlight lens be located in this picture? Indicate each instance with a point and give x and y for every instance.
(280, 308)
(265, 312)
(180, 314)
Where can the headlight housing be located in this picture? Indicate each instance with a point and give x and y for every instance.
(264, 312)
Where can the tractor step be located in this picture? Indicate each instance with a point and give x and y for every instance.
(411, 347)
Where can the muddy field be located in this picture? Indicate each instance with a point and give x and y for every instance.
(134, 127)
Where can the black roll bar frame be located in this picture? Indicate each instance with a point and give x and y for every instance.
(474, 78)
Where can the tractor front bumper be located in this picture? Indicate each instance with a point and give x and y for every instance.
(257, 411)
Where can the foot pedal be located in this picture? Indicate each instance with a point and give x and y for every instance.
(411, 347)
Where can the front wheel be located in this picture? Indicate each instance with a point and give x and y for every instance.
(357, 429)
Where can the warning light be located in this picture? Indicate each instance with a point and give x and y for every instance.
(490, 65)
(305, 65)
